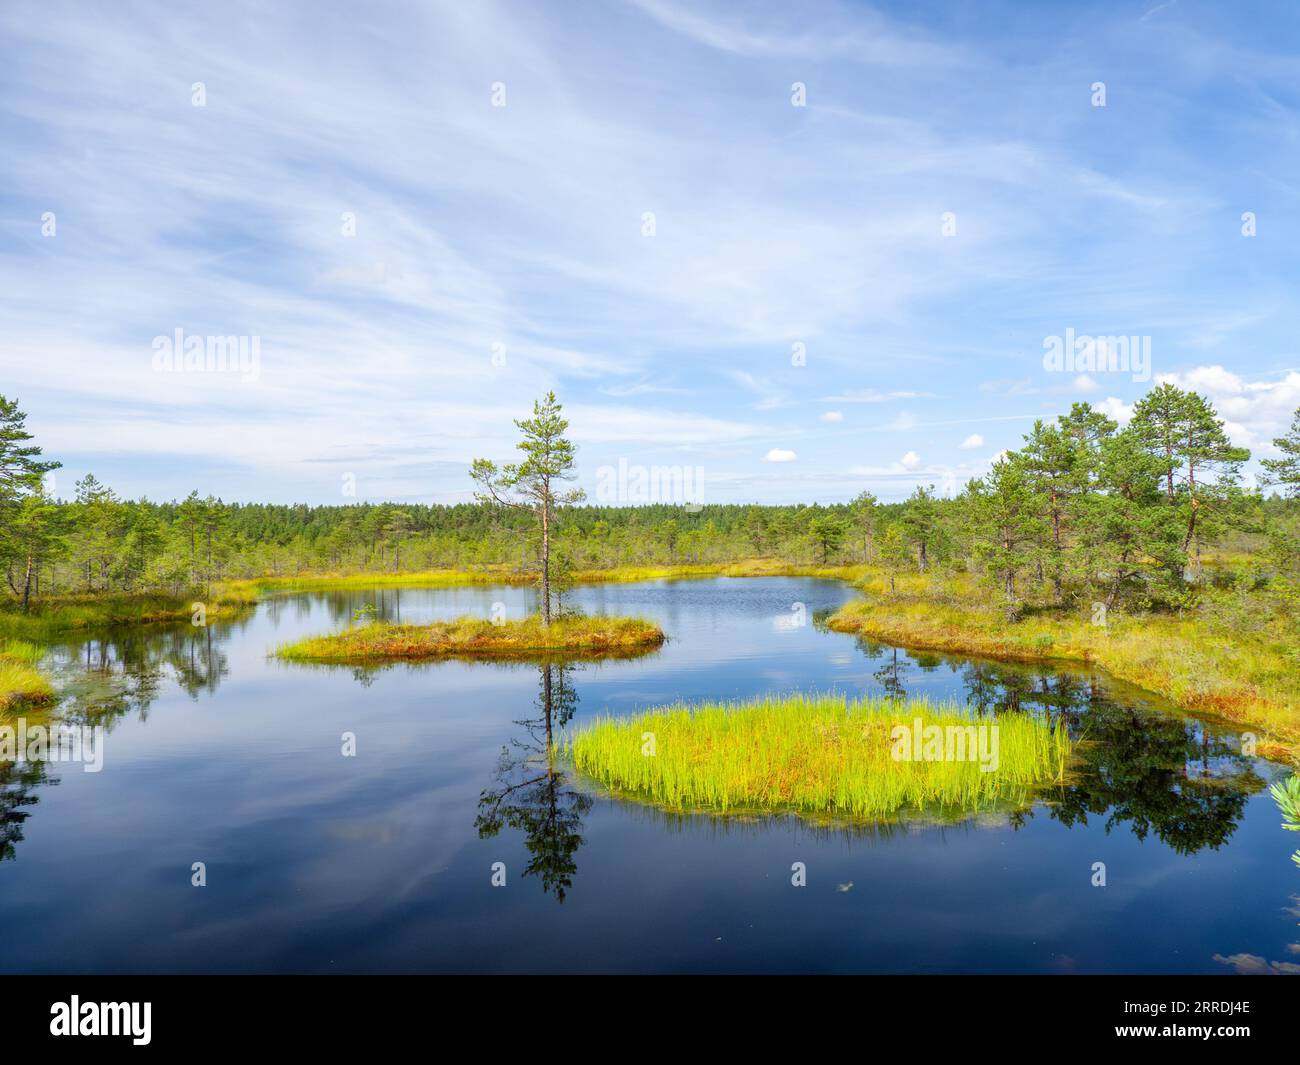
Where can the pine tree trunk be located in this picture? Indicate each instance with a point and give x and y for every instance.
(27, 584)
(546, 559)
(1191, 521)
(1057, 591)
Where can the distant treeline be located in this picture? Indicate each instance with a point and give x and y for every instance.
(1083, 510)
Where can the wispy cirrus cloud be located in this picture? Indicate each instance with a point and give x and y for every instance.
(499, 252)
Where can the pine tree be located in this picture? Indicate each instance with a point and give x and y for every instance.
(1128, 532)
(397, 527)
(33, 539)
(142, 545)
(865, 516)
(1061, 461)
(920, 522)
(21, 467)
(25, 513)
(1200, 466)
(99, 522)
(1286, 470)
(531, 484)
(189, 519)
(213, 532)
(893, 551)
(827, 533)
(1005, 522)
(1158, 424)
(1211, 456)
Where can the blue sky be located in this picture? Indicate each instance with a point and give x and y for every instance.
(500, 251)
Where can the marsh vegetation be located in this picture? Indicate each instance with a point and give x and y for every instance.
(823, 755)
(1135, 548)
(531, 637)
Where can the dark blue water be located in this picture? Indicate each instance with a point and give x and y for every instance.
(383, 862)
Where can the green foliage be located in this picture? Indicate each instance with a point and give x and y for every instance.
(819, 755)
(531, 637)
(920, 524)
(864, 514)
(29, 524)
(1084, 512)
(21, 683)
(828, 534)
(1285, 471)
(894, 554)
(1287, 796)
(1198, 463)
(549, 459)
(1005, 523)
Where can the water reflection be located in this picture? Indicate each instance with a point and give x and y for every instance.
(18, 784)
(103, 677)
(891, 674)
(1158, 773)
(1160, 776)
(1154, 773)
(530, 793)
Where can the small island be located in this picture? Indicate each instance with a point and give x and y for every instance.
(468, 637)
(824, 756)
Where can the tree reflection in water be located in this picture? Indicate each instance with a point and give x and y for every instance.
(103, 677)
(107, 675)
(529, 792)
(1158, 773)
(18, 783)
(1161, 774)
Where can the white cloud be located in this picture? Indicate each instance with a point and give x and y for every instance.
(769, 395)
(1084, 383)
(872, 395)
(518, 227)
(868, 37)
(1253, 412)
(972, 442)
(1115, 409)
(910, 461)
(778, 454)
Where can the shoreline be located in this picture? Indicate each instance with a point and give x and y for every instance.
(1143, 651)
(1158, 655)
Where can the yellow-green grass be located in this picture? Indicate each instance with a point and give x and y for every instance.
(1250, 681)
(438, 578)
(587, 637)
(816, 755)
(50, 615)
(21, 682)
(69, 612)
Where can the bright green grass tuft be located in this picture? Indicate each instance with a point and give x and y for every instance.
(476, 637)
(20, 680)
(1287, 796)
(21, 651)
(811, 754)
